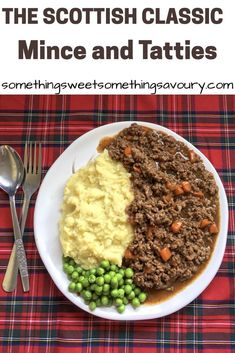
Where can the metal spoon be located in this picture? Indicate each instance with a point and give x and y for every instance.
(11, 177)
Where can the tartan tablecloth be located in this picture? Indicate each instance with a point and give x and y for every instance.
(43, 320)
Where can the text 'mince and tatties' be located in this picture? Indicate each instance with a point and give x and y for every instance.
(148, 49)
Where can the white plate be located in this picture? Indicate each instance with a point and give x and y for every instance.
(47, 213)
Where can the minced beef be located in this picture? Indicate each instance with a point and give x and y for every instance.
(175, 206)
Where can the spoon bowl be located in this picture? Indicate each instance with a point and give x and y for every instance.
(12, 170)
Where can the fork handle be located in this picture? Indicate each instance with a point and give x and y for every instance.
(10, 279)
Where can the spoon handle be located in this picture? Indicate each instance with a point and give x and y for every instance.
(20, 252)
(10, 279)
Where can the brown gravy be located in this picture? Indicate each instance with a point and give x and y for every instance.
(104, 142)
(157, 296)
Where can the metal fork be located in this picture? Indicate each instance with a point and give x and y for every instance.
(33, 169)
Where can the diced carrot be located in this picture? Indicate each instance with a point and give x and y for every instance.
(128, 254)
(165, 254)
(176, 226)
(213, 228)
(198, 194)
(178, 190)
(192, 156)
(170, 186)
(127, 151)
(186, 186)
(167, 198)
(204, 223)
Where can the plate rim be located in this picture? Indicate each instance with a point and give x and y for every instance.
(136, 315)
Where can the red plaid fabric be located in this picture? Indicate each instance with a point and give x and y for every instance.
(43, 320)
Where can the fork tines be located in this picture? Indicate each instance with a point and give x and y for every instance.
(35, 166)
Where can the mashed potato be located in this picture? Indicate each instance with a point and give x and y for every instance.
(93, 223)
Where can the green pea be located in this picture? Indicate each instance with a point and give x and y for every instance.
(98, 289)
(118, 276)
(85, 283)
(72, 286)
(106, 288)
(72, 262)
(125, 301)
(95, 296)
(118, 301)
(99, 281)
(75, 275)
(87, 295)
(93, 286)
(131, 295)
(93, 271)
(137, 291)
(79, 287)
(92, 305)
(65, 266)
(135, 302)
(105, 264)
(113, 268)
(92, 278)
(129, 272)
(107, 278)
(78, 269)
(100, 271)
(114, 293)
(121, 282)
(121, 308)
(128, 281)
(70, 269)
(111, 273)
(81, 278)
(121, 293)
(104, 300)
(114, 282)
(128, 288)
(122, 272)
(83, 292)
(142, 297)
